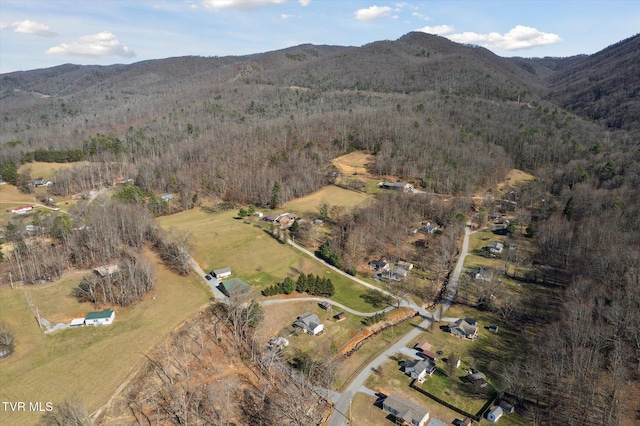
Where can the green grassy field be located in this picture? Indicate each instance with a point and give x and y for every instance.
(219, 239)
(91, 362)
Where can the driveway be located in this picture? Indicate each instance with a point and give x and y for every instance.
(340, 415)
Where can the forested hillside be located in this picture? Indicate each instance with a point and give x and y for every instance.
(448, 118)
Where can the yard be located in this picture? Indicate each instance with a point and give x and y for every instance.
(219, 239)
(332, 195)
(71, 362)
(46, 170)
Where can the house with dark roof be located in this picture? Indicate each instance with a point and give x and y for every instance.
(464, 327)
(100, 318)
(379, 265)
(484, 274)
(309, 323)
(477, 379)
(419, 368)
(395, 274)
(494, 247)
(405, 411)
(397, 186)
(234, 287)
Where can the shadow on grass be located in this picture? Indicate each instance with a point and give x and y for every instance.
(377, 299)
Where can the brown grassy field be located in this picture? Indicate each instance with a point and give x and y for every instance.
(91, 362)
(354, 163)
(332, 195)
(514, 178)
(46, 170)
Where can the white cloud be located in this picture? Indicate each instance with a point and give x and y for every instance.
(3, 26)
(520, 37)
(373, 12)
(420, 16)
(33, 28)
(94, 45)
(237, 4)
(304, 2)
(285, 16)
(442, 30)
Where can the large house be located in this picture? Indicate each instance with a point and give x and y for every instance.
(100, 318)
(22, 210)
(464, 327)
(419, 368)
(379, 265)
(395, 274)
(397, 186)
(309, 323)
(405, 411)
(41, 182)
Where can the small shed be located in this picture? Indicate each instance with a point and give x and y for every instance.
(222, 272)
(340, 317)
(106, 270)
(76, 322)
(494, 415)
(325, 305)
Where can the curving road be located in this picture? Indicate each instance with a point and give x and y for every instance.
(339, 417)
(322, 299)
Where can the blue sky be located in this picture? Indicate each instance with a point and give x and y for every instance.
(44, 33)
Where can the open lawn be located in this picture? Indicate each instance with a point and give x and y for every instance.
(331, 195)
(219, 239)
(279, 319)
(91, 362)
(46, 170)
(354, 163)
(373, 347)
(391, 379)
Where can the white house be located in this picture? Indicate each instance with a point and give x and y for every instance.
(100, 318)
(495, 414)
(495, 247)
(22, 210)
(310, 323)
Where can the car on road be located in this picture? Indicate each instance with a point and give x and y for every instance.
(208, 277)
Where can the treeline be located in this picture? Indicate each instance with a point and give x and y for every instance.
(95, 234)
(55, 155)
(312, 284)
(134, 277)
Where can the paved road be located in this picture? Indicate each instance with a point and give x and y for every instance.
(403, 302)
(322, 299)
(341, 407)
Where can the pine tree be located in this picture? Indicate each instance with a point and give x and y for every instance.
(301, 284)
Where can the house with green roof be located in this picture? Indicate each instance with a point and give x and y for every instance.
(234, 287)
(100, 318)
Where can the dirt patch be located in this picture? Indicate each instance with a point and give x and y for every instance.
(396, 317)
(354, 163)
(514, 178)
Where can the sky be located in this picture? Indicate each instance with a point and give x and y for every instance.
(44, 33)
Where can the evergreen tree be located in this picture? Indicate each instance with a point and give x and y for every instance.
(301, 284)
(288, 285)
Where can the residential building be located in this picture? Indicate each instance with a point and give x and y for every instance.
(418, 369)
(309, 323)
(100, 318)
(464, 327)
(494, 415)
(405, 411)
(221, 272)
(234, 287)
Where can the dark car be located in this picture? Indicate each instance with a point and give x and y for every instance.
(208, 277)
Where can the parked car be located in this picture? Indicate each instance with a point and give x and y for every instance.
(208, 277)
